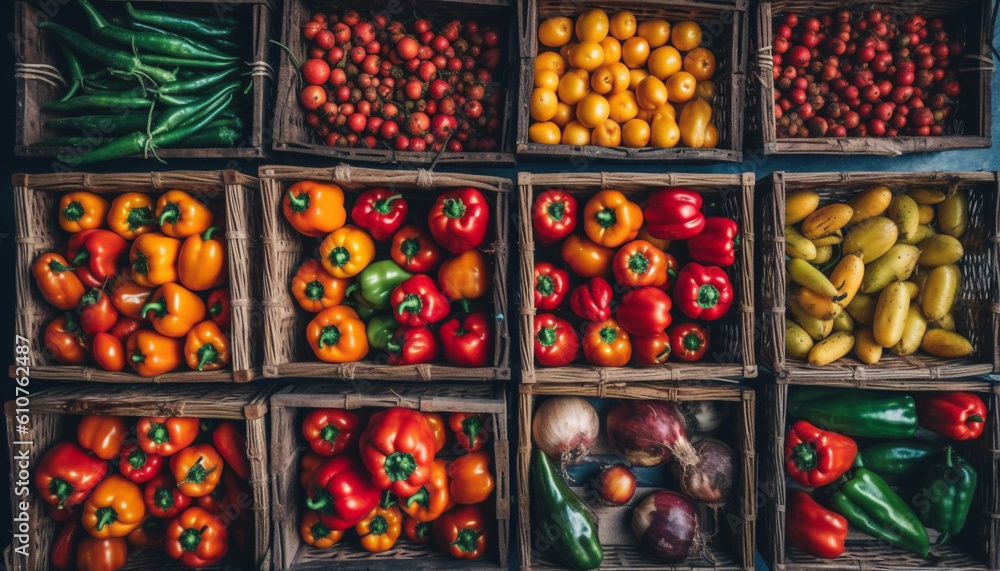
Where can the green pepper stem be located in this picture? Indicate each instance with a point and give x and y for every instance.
(329, 336)
(61, 489)
(141, 264)
(708, 296)
(190, 538)
(163, 498)
(606, 218)
(171, 213)
(56, 266)
(411, 304)
(544, 285)
(339, 256)
(608, 334)
(467, 540)
(453, 208)
(329, 433)
(91, 297)
(410, 248)
(105, 517)
(319, 531)
(384, 205)
(197, 473)
(158, 433)
(139, 217)
(208, 233)
(378, 526)
(158, 307)
(320, 501)
(137, 459)
(471, 426)
(399, 466)
(974, 418)
(692, 341)
(556, 210)
(299, 203)
(82, 256)
(804, 456)
(546, 336)
(207, 355)
(315, 290)
(638, 263)
(73, 211)
(215, 309)
(421, 498)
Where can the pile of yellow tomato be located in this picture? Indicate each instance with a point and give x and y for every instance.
(612, 81)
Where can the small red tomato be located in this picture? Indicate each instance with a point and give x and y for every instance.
(315, 71)
(324, 39)
(312, 97)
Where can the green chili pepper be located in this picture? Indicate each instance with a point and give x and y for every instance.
(215, 136)
(381, 329)
(116, 124)
(946, 495)
(223, 44)
(187, 25)
(876, 414)
(868, 503)
(899, 458)
(563, 518)
(378, 280)
(74, 67)
(110, 57)
(200, 82)
(132, 99)
(175, 116)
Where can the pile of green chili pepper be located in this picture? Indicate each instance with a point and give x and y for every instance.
(892, 483)
(155, 79)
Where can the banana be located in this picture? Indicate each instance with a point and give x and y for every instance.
(895, 265)
(865, 348)
(826, 220)
(953, 214)
(871, 238)
(941, 343)
(829, 240)
(947, 322)
(830, 349)
(940, 291)
(903, 211)
(870, 203)
(940, 250)
(890, 314)
(797, 245)
(799, 205)
(923, 232)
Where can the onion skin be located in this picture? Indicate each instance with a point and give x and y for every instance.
(711, 479)
(648, 433)
(702, 417)
(615, 484)
(666, 523)
(565, 428)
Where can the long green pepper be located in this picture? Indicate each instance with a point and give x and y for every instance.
(875, 414)
(563, 518)
(110, 57)
(187, 25)
(868, 503)
(895, 458)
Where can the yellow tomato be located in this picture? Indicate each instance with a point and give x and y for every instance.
(635, 76)
(575, 133)
(635, 133)
(651, 93)
(543, 105)
(552, 61)
(711, 137)
(555, 32)
(681, 86)
(635, 52)
(623, 106)
(664, 62)
(564, 114)
(573, 87)
(656, 32)
(612, 49)
(546, 78)
(545, 132)
(623, 25)
(700, 62)
(610, 78)
(592, 26)
(607, 134)
(593, 110)
(665, 110)
(664, 132)
(686, 35)
(586, 55)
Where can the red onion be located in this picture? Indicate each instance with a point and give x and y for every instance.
(702, 417)
(648, 433)
(711, 479)
(666, 525)
(565, 428)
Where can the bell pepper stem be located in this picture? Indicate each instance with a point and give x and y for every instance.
(58, 267)
(547, 336)
(158, 307)
(466, 540)
(606, 218)
(216, 308)
(299, 203)
(73, 211)
(708, 296)
(609, 334)
(61, 489)
(92, 296)
(329, 433)
(329, 336)
(544, 285)
(378, 526)
(638, 263)
(466, 304)
(319, 531)
(190, 538)
(81, 257)
(471, 426)
(315, 290)
(137, 459)
(974, 418)
(556, 210)
(453, 208)
(411, 304)
(197, 473)
(384, 205)
(399, 465)
(163, 498)
(421, 498)
(692, 342)
(208, 233)
(105, 517)
(339, 256)
(410, 248)
(320, 501)
(207, 355)
(141, 264)
(139, 217)
(171, 213)
(158, 433)
(804, 456)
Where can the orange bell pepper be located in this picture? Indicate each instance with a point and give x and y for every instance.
(315, 289)
(337, 335)
(606, 344)
(81, 211)
(131, 215)
(202, 262)
(640, 264)
(114, 508)
(433, 498)
(346, 251)
(107, 554)
(174, 310)
(149, 534)
(197, 470)
(181, 215)
(660, 243)
(57, 281)
(380, 529)
(314, 208)
(166, 436)
(471, 478)
(65, 342)
(102, 434)
(150, 353)
(128, 298)
(154, 259)
(439, 429)
(206, 347)
(610, 219)
(197, 538)
(586, 258)
(315, 533)
(465, 276)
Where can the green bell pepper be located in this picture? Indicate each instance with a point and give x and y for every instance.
(943, 502)
(380, 330)
(875, 414)
(900, 458)
(869, 505)
(378, 280)
(355, 301)
(563, 518)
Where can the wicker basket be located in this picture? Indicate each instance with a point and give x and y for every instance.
(977, 547)
(977, 313)
(972, 119)
(730, 549)
(285, 352)
(50, 421)
(36, 199)
(731, 354)
(32, 48)
(291, 133)
(725, 31)
(290, 552)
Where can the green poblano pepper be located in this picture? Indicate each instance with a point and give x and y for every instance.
(944, 500)
(563, 518)
(876, 414)
(869, 505)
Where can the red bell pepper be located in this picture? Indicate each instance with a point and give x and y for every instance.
(717, 242)
(674, 214)
(67, 474)
(414, 251)
(342, 492)
(644, 312)
(232, 446)
(63, 553)
(166, 435)
(124, 327)
(650, 351)
(398, 449)
(219, 308)
(162, 497)
(197, 538)
(703, 291)
(418, 301)
(330, 431)
(469, 430)
(97, 314)
(462, 531)
(459, 219)
(380, 211)
(551, 286)
(815, 457)
(553, 216)
(556, 342)
(688, 341)
(592, 300)
(413, 346)
(103, 251)
(417, 531)
(138, 466)
(813, 528)
(959, 416)
(467, 341)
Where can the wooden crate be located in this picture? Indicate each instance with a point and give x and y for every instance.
(36, 200)
(725, 32)
(731, 353)
(285, 352)
(977, 314)
(291, 133)
(288, 405)
(731, 545)
(32, 47)
(972, 19)
(977, 547)
(51, 419)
